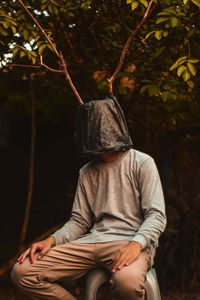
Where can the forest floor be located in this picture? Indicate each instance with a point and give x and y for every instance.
(13, 294)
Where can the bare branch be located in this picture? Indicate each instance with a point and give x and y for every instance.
(35, 66)
(48, 68)
(69, 79)
(40, 27)
(60, 56)
(127, 44)
(24, 66)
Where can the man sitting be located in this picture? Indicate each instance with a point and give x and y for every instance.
(117, 216)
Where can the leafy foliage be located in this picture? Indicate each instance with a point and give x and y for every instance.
(158, 86)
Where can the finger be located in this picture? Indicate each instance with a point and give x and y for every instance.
(33, 250)
(23, 256)
(123, 260)
(116, 257)
(120, 263)
(43, 252)
(20, 257)
(116, 262)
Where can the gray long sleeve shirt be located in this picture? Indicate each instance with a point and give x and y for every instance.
(122, 200)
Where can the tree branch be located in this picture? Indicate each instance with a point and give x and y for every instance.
(24, 66)
(60, 56)
(127, 44)
(40, 27)
(69, 79)
(47, 67)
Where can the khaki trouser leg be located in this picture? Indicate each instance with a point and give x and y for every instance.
(128, 283)
(72, 260)
(38, 280)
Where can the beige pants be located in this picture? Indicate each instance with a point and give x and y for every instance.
(71, 261)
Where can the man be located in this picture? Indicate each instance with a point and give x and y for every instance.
(117, 216)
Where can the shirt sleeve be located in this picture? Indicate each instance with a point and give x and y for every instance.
(152, 203)
(81, 218)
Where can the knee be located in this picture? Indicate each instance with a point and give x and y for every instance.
(128, 286)
(18, 274)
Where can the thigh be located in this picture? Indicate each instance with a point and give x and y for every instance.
(69, 260)
(136, 271)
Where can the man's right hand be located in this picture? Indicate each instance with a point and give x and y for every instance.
(42, 247)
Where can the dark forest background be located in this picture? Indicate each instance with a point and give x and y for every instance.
(161, 106)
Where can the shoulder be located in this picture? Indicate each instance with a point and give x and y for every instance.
(140, 157)
(86, 168)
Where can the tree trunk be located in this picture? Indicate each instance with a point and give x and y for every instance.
(32, 161)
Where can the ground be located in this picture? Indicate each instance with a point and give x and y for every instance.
(13, 294)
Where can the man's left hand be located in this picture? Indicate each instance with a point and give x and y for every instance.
(126, 255)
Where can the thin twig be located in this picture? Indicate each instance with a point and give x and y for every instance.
(60, 56)
(40, 27)
(48, 68)
(24, 66)
(69, 79)
(35, 67)
(127, 44)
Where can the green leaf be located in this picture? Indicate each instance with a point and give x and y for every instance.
(37, 38)
(144, 2)
(15, 51)
(41, 48)
(44, 6)
(134, 5)
(33, 60)
(22, 54)
(196, 2)
(186, 76)
(3, 31)
(86, 4)
(161, 20)
(179, 62)
(185, 2)
(129, 1)
(148, 35)
(162, 13)
(14, 30)
(55, 10)
(143, 89)
(55, 2)
(171, 10)
(193, 61)
(50, 8)
(190, 83)
(168, 96)
(158, 34)
(191, 69)
(165, 33)
(173, 21)
(180, 70)
(6, 24)
(25, 34)
(183, 58)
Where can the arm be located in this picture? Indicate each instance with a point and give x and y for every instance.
(81, 218)
(153, 207)
(152, 203)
